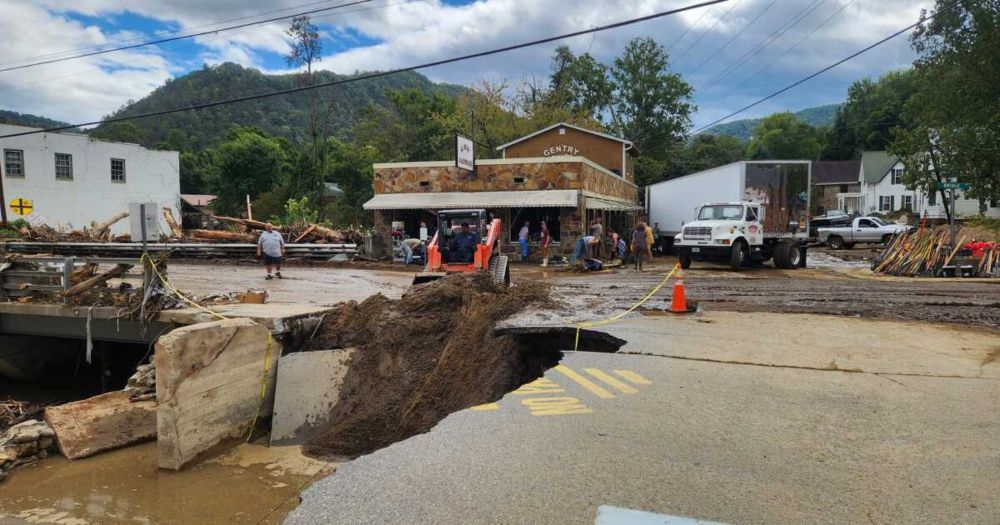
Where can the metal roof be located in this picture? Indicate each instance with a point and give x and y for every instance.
(565, 125)
(594, 203)
(474, 199)
(835, 171)
(875, 165)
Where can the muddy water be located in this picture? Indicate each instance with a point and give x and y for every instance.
(250, 484)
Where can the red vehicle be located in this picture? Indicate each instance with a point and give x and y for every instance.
(450, 250)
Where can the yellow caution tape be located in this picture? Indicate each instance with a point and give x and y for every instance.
(609, 320)
(267, 352)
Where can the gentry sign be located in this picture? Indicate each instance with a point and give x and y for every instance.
(561, 149)
(465, 153)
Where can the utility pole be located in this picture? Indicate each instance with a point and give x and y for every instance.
(951, 216)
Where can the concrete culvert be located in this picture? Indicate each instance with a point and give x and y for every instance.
(420, 358)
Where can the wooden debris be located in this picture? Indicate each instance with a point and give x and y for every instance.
(310, 229)
(118, 271)
(219, 235)
(99, 230)
(175, 229)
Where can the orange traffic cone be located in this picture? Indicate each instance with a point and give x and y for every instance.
(678, 303)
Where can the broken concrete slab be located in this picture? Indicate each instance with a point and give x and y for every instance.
(104, 422)
(306, 389)
(208, 384)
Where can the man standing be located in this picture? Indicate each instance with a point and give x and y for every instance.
(522, 238)
(657, 241)
(271, 246)
(544, 239)
(597, 230)
(639, 245)
(649, 242)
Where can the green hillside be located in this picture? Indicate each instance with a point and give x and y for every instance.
(743, 129)
(285, 116)
(23, 119)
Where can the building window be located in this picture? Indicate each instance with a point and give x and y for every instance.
(518, 180)
(64, 166)
(886, 202)
(908, 202)
(897, 175)
(13, 162)
(843, 188)
(535, 216)
(117, 170)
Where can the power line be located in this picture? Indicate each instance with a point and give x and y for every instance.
(808, 34)
(707, 31)
(181, 37)
(807, 78)
(686, 31)
(190, 45)
(159, 34)
(368, 76)
(740, 32)
(798, 17)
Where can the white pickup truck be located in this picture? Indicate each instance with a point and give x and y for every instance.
(863, 229)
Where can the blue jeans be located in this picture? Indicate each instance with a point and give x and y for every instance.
(407, 253)
(524, 248)
(578, 250)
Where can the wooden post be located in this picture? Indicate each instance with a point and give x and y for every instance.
(249, 208)
(67, 281)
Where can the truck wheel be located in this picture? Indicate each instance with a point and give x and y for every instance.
(685, 261)
(792, 255)
(738, 255)
(781, 256)
(835, 243)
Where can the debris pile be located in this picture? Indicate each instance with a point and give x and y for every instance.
(928, 252)
(142, 385)
(24, 442)
(422, 357)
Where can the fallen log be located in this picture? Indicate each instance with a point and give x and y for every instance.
(118, 271)
(175, 229)
(249, 223)
(100, 229)
(307, 231)
(87, 271)
(218, 235)
(335, 235)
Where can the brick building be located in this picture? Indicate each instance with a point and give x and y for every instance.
(562, 174)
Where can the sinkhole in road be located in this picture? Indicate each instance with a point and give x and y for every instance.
(434, 351)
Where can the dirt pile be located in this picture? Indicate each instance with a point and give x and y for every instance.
(423, 357)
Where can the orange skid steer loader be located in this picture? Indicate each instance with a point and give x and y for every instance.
(465, 241)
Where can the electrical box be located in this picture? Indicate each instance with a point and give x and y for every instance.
(151, 218)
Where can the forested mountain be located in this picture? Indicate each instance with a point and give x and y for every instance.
(743, 129)
(284, 116)
(23, 119)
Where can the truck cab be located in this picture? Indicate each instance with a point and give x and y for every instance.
(733, 233)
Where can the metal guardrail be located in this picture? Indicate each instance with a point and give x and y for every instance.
(179, 249)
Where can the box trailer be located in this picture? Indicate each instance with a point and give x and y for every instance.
(742, 213)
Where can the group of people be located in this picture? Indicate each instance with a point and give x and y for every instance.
(637, 242)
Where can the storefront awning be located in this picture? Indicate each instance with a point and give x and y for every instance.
(476, 199)
(594, 203)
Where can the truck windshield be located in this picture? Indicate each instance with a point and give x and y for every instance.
(720, 212)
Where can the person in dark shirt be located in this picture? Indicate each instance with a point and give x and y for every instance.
(463, 246)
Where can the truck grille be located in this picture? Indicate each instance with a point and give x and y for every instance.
(697, 232)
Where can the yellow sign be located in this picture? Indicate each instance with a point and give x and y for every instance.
(21, 206)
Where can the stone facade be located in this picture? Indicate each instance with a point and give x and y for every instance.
(559, 173)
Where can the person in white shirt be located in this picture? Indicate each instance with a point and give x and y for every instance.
(271, 246)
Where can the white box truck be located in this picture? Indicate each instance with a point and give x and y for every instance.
(742, 214)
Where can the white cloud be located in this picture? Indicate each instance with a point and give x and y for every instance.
(416, 31)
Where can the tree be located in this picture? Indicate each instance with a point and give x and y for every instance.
(249, 162)
(955, 111)
(651, 107)
(417, 126)
(708, 151)
(782, 136)
(579, 83)
(872, 110)
(306, 50)
(351, 168)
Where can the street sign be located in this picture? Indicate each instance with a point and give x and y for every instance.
(951, 185)
(21, 206)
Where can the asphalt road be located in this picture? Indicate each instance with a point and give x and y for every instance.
(757, 441)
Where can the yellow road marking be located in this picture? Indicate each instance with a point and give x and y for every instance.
(584, 382)
(539, 386)
(618, 385)
(487, 406)
(555, 406)
(633, 377)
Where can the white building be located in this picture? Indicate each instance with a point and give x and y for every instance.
(883, 190)
(72, 180)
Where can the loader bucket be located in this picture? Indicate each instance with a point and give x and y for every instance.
(426, 277)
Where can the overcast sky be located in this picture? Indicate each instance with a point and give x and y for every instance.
(732, 53)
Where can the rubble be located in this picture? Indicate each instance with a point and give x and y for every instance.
(23, 443)
(100, 423)
(141, 386)
(928, 252)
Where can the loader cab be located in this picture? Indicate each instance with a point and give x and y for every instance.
(450, 225)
